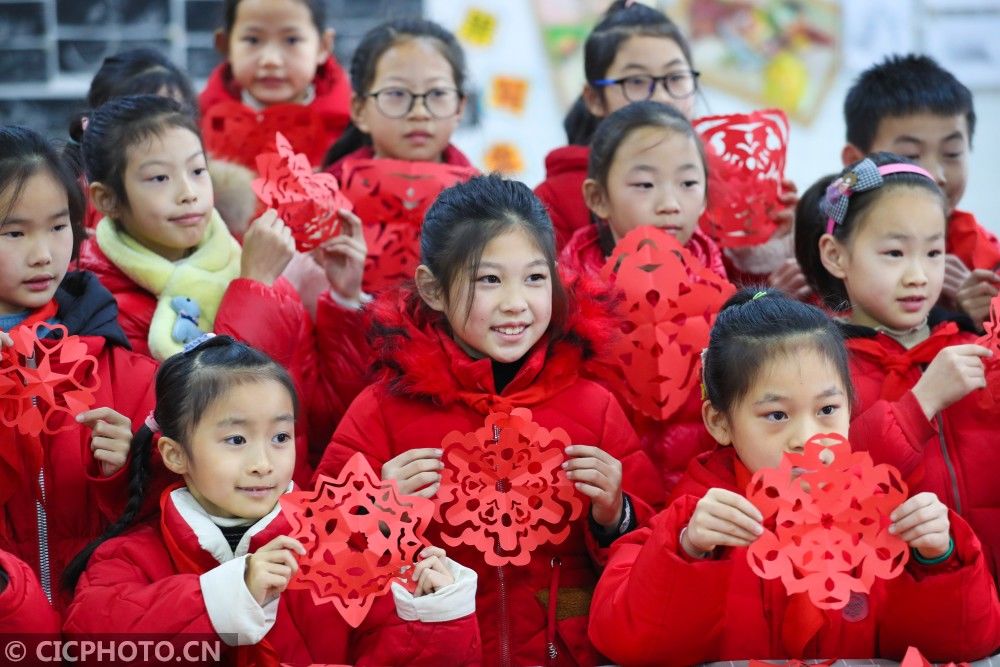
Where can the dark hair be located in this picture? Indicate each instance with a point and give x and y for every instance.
(466, 217)
(186, 386)
(365, 61)
(811, 222)
(620, 22)
(901, 86)
(317, 10)
(120, 124)
(614, 129)
(24, 153)
(136, 72)
(755, 325)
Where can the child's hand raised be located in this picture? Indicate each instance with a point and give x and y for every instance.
(111, 437)
(976, 294)
(597, 475)
(431, 573)
(416, 471)
(922, 522)
(721, 519)
(270, 568)
(268, 247)
(955, 372)
(343, 258)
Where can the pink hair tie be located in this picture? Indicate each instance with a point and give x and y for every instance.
(864, 176)
(151, 423)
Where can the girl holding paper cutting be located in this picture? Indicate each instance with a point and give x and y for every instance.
(681, 591)
(175, 269)
(873, 242)
(408, 77)
(636, 53)
(61, 487)
(218, 559)
(279, 75)
(491, 327)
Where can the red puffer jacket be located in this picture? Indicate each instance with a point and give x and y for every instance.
(430, 387)
(79, 501)
(23, 606)
(451, 155)
(955, 455)
(673, 443)
(562, 191)
(973, 244)
(239, 133)
(181, 577)
(655, 605)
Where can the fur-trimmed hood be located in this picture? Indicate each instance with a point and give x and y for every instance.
(416, 355)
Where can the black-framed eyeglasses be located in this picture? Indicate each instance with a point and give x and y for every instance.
(639, 87)
(395, 102)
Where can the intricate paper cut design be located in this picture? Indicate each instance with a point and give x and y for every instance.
(503, 490)
(478, 28)
(671, 302)
(307, 201)
(746, 158)
(391, 198)
(826, 516)
(358, 531)
(59, 382)
(989, 398)
(239, 134)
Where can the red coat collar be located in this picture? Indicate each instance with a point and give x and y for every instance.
(330, 79)
(451, 155)
(567, 159)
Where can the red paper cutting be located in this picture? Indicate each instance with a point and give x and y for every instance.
(234, 132)
(671, 301)
(391, 198)
(503, 490)
(358, 531)
(826, 517)
(746, 160)
(307, 201)
(46, 381)
(914, 658)
(989, 398)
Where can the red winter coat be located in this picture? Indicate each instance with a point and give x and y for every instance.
(180, 577)
(955, 455)
(562, 190)
(973, 244)
(655, 605)
(430, 388)
(451, 155)
(79, 501)
(673, 443)
(23, 606)
(329, 113)
(272, 319)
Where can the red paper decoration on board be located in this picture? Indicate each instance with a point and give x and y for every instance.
(671, 301)
(826, 515)
(746, 164)
(46, 381)
(391, 198)
(358, 531)
(305, 200)
(503, 490)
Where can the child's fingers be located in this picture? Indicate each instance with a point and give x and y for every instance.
(432, 551)
(282, 542)
(414, 468)
(6, 340)
(591, 491)
(918, 509)
(352, 223)
(720, 539)
(593, 477)
(732, 520)
(927, 529)
(109, 456)
(427, 491)
(420, 480)
(737, 502)
(582, 451)
(104, 414)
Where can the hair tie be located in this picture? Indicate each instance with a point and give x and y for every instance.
(863, 176)
(759, 295)
(151, 423)
(191, 345)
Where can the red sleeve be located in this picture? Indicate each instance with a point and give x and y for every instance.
(362, 430)
(23, 606)
(640, 478)
(894, 432)
(116, 592)
(651, 605)
(386, 639)
(952, 606)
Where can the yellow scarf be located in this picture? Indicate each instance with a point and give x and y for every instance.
(202, 278)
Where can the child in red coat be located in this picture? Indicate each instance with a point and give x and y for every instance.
(219, 559)
(681, 591)
(409, 96)
(279, 75)
(491, 328)
(59, 489)
(879, 251)
(24, 608)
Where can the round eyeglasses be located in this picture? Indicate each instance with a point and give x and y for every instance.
(396, 102)
(640, 87)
